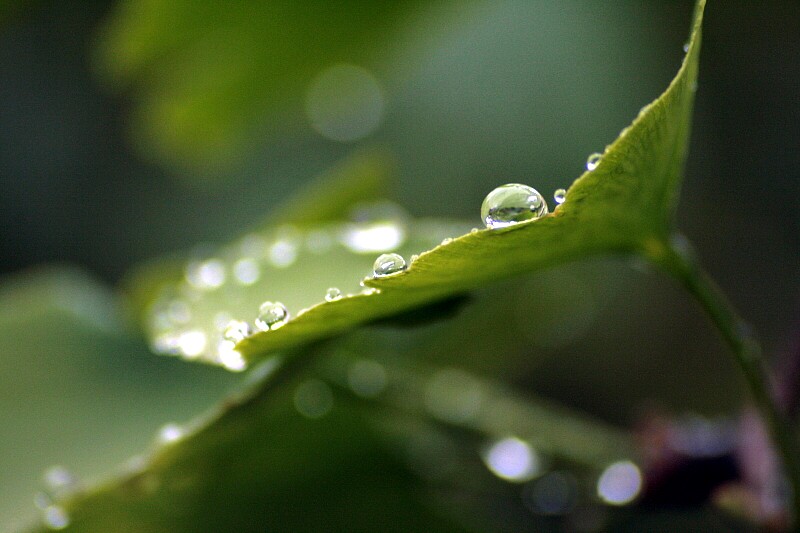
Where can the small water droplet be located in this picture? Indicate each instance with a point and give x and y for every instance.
(191, 343)
(560, 195)
(685, 47)
(271, 315)
(333, 294)
(369, 290)
(236, 330)
(446, 241)
(229, 357)
(388, 264)
(512, 204)
(55, 517)
(413, 258)
(593, 161)
(474, 230)
(170, 433)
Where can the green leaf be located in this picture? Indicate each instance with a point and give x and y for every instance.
(625, 205)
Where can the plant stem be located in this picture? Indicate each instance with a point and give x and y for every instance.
(678, 260)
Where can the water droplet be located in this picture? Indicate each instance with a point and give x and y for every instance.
(236, 331)
(271, 315)
(560, 195)
(474, 230)
(620, 483)
(313, 399)
(512, 459)
(685, 47)
(593, 161)
(511, 204)
(388, 264)
(170, 433)
(229, 357)
(369, 290)
(446, 241)
(367, 378)
(55, 517)
(191, 343)
(332, 294)
(246, 271)
(206, 274)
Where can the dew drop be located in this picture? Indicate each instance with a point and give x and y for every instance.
(333, 294)
(236, 330)
(388, 264)
(230, 358)
(474, 230)
(55, 517)
(282, 253)
(413, 258)
(271, 315)
(207, 275)
(512, 204)
(685, 47)
(446, 241)
(191, 343)
(593, 161)
(170, 433)
(560, 195)
(59, 480)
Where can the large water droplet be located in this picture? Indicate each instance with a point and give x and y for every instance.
(593, 161)
(388, 264)
(511, 204)
(560, 195)
(271, 315)
(236, 330)
(332, 294)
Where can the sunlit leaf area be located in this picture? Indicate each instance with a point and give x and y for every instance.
(515, 266)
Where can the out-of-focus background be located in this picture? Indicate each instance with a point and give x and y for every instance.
(134, 128)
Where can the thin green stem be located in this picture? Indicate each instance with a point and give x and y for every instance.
(678, 261)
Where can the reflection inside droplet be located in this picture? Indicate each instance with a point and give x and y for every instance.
(620, 483)
(512, 459)
(345, 103)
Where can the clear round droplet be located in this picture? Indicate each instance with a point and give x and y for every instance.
(236, 330)
(512, 204)
(271, 315)
(332, 294)
(593, 161)
(560, 195)
(388, 264)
